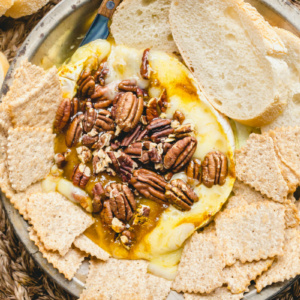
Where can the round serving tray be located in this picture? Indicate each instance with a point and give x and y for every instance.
(51, 42)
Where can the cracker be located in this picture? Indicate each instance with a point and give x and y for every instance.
(4, 181)
(256, 165)
(118, 279)
(26, 78)
(201, 264)
(235, 201)
(287, 145)
(219, 294)
(67, 265)
(291, 215)
(251, 232)
(56, 220)
(88, 246)
(38, 107)
(5, 117)
(286, 266)
(30, 155)
(20, 200)
(238, 277)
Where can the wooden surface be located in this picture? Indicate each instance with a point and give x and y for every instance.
(108, 7)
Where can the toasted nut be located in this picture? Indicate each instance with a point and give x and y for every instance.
(89, 119)
(104, 121)
(101, 73)
(214, 169)
(141, 216)
(127, 238)
(81, 175)
(117, 225)
(128, 85)
(74, 131)
(63, 114)
(99, 195)
(84, 154)
(159, 129)
(145, 67)
(193, 170)
(163, 101)
(180, 194)
(178, 116)
(151, 110)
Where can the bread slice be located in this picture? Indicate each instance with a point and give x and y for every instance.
(143, 24)
(21, 8)
(5, 5)
(235, 56)
(290, 116)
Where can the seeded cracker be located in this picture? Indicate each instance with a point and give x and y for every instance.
(239, 276)
(286, 266)
(26, 78)
(118, 279)
(219, 294)
(67, 265)
(20, 200)
(287, 145)
(30, 155)
(201, 264)
(38, 107)
(88, 246)
(251, 232)
(56, 220)
(256, 165)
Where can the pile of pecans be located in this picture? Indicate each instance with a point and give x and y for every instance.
(130, 137)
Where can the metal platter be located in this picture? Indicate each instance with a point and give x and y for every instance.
(51, 42)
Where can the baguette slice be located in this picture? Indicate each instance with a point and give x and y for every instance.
(143, 24)
(235, 56)
(290, 116)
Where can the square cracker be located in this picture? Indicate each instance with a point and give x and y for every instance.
(239, 276)
(4, 180)
(30, 155)
(88, 246)
(256, 165)
(38, 107)
(122, 279)
(201, 264)
(287, 145)
(219, 294)
(251, 232)
(26, 78)
(20, 200)
(56, 220)
(67, 265)
(286, 266)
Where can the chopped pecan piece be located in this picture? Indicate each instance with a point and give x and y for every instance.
(193, 170)
(98, 196)
(90, 138)
(74, 131)
(129, 111)
(126, 239)
(180, 194)
(104, 121)
(149, 184)
(135, 150)
(104, 140)
(117, 225)
(86, 84)
(145, 67)
(122, 202)
(101, 73)
(184, 130)
(180, 154)
(90, 117)
(60, 159)
(151, 110)
(101, 161)
(128, 85)
(160, 129)
(123, 164)
(214, 169)
(81, 175)
(178, 116)
(163, 101)
(84, 154)
(141, 215)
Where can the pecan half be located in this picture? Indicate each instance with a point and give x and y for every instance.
(214, 169)
(121, 200)
(136, 135)
(163, 101)
(115, 103)
(145, 67)
(74, 131)
(184, 130)
(101, 73)
(104, 140)
(178, 116)
(128, 85)
(90, 138)
(86, 84)
(180, 154)
(151, 110)
(160, 129)
(180, 195)
(99, 98)
(84, 154)
(104, 121)
(98, 196)
(129, 111)
(90, 117)
(149, 184)
(193, 170)
(81, 175)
